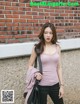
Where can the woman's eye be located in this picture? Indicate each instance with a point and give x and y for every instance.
(45, 32)
(50, 32)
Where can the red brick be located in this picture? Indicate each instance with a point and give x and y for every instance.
(49, 10)
(74, 21)
(76, 26)
(5, 20)
(16, 20)
(29, 24)
(2, 33)
(22, 27)
(54, 14)
(60, 30)
(2, 23)
(27, 4)
(23, 20)
(22, 1)
(76, 11)
(2, 41)
(9, 32)
(1, 16)
(78, 14)
(22, 4)
(43, 21)
(26, 16)
(59, 11)
(11, 24)
(15, 28)
(68, 11)
(1, 28)
(37, 9)
(5, 36)
(18, 12)
(68, 17)
(32, 21)
(11, 8)
(71, 15)
(6, 12)
(13, 41)
(12, 16)
(31, 13)
(31, 36)
(51, 17)
(25, 9)
(37, 32)
(30, 28)
(38, 17)
(36, 28)
(15, 4)
(78, 8)
(44, 7)
(12, 0)
(1, 7)
(19, 20)
(72, 0)
(22, 24)
(54, 21)
(5, 3)
(20, 36)
(63, 14)
(44, 13)
(55, 7)
(9, 28)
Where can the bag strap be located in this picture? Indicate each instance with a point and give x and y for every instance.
(35, 64)
(40, 64)
(39, 61)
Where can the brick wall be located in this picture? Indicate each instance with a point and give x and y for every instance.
(21, 23)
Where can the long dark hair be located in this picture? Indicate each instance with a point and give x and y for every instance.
(40, 46)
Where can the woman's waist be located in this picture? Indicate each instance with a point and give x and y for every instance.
(48, 82)
(49, 72)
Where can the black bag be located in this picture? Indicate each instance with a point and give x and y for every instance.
(34, 96)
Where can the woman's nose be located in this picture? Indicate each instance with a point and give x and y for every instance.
(48, 34)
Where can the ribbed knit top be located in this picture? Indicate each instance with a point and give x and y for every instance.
(49, 66)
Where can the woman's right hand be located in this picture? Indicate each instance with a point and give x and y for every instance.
(38, 76)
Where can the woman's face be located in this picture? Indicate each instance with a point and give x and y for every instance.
(48, 35)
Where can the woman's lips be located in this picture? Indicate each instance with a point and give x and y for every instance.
(48, 38)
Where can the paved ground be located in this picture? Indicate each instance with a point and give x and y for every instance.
(13, 72)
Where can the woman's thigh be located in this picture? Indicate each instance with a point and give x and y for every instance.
(54, 94)
(43, 91)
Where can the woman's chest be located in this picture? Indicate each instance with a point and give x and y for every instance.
(50, 59)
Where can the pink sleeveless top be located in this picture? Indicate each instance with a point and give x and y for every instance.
(49, 65)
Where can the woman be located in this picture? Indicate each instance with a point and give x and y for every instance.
(51, 80)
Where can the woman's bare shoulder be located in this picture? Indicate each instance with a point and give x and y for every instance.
(33, 50)
(58, 46)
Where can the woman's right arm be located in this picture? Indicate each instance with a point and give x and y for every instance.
(32, 58)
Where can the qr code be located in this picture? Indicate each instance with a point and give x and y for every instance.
(7, 96)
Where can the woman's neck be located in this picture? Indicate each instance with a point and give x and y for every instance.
(48, 44)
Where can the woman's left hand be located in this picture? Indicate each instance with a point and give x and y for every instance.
(61, 92)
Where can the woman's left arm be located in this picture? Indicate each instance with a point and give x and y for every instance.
(59, 71)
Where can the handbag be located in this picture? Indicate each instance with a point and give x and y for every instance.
(34, 96)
